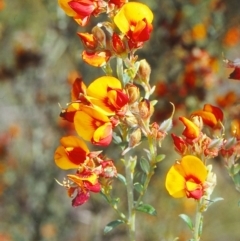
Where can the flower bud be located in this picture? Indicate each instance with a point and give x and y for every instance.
(131, 121)
(179, 144)
(88, 40)
(100, 36)
(118, 44)
(144, 71)
(133, 93)
(135, 138)
(145, 109)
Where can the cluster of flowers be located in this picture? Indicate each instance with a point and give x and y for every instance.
(132, 19)
(192, 177)
(107, 102)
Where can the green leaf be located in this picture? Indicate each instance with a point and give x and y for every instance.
(146, 208)
(145, 166)
(109, 227)
(116, 139)
(187, 220)
(236, 169)
(143, 177)
(122, 178)
(160, 157)
(138, 187)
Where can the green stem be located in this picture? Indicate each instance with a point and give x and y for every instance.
(120, 70)
(115, 207)
(129, 169)
(198, 223)
(153, 154)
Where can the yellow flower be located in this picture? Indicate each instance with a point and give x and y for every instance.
(134, 20)
(186, 178)
(93, 126)
(72, 153)
(106, 95)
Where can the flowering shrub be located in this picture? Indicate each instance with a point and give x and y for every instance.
(117, 108)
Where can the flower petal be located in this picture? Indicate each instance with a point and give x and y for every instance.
(78, 88)
(103, 135)
(215, 110)
(80, 198)
(99, 87)
(186, 178)
(194, 168)
(96, 59)
(175, 182)
(191, 131)
(83, 123)
(71, 154)
(79, 178)
(106, 94)
(82, 8)
(65, 6)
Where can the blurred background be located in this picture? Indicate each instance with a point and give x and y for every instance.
(40, 53)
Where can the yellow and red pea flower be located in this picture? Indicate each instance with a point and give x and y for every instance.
(83, 182)
(191, 130)
(212, 116)
(107, 95)
(96, 58)
(72, 153)
(179, 144)
(104, 94)
(88, 40)
(119, 45)
(92, 125)
(81, 10)
(78, 90)
(186, 178)
(69, 113)
(135, 21)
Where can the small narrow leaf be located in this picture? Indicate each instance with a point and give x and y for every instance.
(160, 157)
(138, 187)
(109, 227)
(146, 208)
(145, 166)
(122, 178)
(187, 220)
(116, 139)
(217, 199)
(143, 177)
